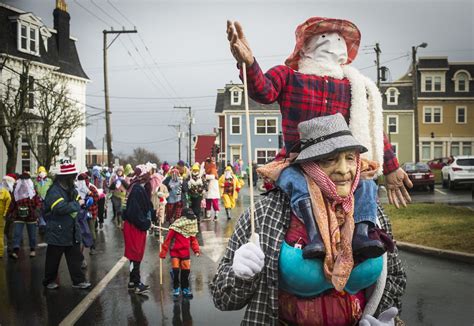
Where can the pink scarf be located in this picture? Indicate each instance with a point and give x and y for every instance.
(328, 188)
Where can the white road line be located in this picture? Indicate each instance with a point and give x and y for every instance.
(441, 192)
(79, 310)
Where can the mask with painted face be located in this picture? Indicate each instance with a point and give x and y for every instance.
(327, 48)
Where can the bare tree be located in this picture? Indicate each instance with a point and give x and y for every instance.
(57, 118)
(140, 156)
(13, 115)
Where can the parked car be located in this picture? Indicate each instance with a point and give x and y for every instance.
(439, 163)
(460, 171)
(420, 175)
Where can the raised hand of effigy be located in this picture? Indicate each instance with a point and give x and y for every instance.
(238, 43)
(396, 183)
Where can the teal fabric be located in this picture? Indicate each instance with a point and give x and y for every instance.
(305, 277)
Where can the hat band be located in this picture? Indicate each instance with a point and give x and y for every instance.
(312, 141)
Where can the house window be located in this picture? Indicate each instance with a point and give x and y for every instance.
(461, 114)
(25, 155)
(392, 96)
(392, 124)
(455, 148)
(432, 114)
(265, 126)
(265, 155)
(466, 148)
(432, 82)
(438, 149)
(236, 96)
(395, 148)
(235, 125)
(425, 151)
(461, 81)
(28, 38)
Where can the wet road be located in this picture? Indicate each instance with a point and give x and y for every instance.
(439, 292)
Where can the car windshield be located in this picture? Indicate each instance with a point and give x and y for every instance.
(410, 167)
(465, 162)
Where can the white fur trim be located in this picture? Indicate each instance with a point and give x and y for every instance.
(310, 67)
(366, 120)
(376, 291)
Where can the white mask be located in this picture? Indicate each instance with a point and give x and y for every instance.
(42, 175)
(327, 48)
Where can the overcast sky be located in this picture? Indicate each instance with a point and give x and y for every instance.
(180, 55)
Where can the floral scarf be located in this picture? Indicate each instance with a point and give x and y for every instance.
(185, 227)
(335, 222)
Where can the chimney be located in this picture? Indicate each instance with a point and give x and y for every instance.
(61, 25)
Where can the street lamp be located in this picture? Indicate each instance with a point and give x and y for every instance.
(415, 98)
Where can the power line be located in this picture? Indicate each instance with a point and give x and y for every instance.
(91, 13)
(120, 13)
(98, 7)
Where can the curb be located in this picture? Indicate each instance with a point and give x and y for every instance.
(437, 253)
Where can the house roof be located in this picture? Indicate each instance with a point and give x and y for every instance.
(223, 101)
(67, 61)
(405, 97)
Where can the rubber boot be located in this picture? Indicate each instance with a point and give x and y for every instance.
(315, 247)
(362, 246)
(227, 212)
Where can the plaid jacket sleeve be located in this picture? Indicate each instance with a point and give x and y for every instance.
(390, 162)
(265, 88)
(230, 292)
(396, 276)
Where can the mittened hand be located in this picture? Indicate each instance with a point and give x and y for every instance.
(386, 318)
(238, 43)
(89, 202)
(163, 254)
(249, 259)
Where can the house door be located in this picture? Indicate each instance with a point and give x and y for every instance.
(235, 153)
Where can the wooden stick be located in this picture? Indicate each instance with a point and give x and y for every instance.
(161, 260)
(249, 151)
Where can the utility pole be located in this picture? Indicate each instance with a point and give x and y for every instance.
(189, 131)
(415, 98)
(377, 53)
(178, 128)
(110, 156)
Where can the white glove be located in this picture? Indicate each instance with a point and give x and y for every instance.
(386, 318)
(118, 183)
(248, 259)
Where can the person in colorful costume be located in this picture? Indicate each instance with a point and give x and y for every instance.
(25, 210)
(196, 186)
(10, 181)
(212, 188)
(324, 49)
(137, 220)
(174, 204)
(229, 187)
(42, 183)
(183, 231)
(90, 195)
(270, 275)
(6, 190)
(158, 194)
(118, 188)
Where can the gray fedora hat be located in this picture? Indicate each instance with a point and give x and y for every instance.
(322, 137)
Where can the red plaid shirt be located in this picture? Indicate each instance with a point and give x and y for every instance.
(94, 193)
(33, 205)
(302, 97)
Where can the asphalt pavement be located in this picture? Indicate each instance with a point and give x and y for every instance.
(439, 292)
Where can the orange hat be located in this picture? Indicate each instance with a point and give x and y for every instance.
(319, 25)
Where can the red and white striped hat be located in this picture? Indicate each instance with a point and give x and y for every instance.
(67, 167)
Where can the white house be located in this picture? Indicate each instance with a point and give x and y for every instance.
(24, 37)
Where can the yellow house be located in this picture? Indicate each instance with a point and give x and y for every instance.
(445, 107)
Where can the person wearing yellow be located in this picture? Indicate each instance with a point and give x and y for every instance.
(5, 199)
(229, 188)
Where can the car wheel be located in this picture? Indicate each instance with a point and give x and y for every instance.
(451, 184)
(431, 188)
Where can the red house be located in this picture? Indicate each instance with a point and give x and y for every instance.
(203, 147)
